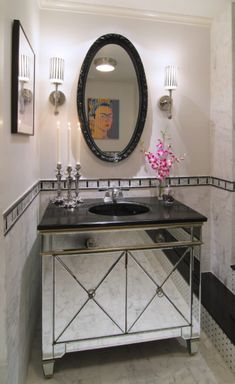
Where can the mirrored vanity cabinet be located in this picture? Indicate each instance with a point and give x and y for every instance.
(110, 280)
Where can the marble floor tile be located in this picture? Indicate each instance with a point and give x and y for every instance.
(160, 362)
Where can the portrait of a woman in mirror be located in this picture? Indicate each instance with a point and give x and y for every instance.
(103, 118)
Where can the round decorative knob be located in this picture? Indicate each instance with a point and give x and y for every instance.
(91, 293)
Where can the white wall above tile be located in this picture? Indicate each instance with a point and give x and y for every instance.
(158, 44)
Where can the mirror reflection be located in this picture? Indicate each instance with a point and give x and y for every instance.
(112, 99)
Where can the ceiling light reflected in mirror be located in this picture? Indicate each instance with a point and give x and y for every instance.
(105, 64)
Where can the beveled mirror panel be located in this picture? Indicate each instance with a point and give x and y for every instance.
(112, 106)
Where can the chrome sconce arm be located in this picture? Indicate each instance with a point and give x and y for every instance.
(166, 102)
(57, 98)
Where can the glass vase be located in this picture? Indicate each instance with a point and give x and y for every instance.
(168, 196)
(160, 189)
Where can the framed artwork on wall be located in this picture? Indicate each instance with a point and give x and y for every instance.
(23, 82)
(103, 118)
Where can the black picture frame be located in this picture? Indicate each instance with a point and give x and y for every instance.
(23, 82)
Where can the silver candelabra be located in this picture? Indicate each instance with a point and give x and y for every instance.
(69, 201)
(59, 200)
(77, 177)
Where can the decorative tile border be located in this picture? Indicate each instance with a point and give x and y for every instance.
(12, 214)
(146, 182)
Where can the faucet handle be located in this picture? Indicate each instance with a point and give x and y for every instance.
(116, 192)
(107, 197)
(119, 192)
(112, 193)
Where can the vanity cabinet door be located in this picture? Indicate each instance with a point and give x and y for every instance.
(89, 295)
(110, 293)
(158, 296)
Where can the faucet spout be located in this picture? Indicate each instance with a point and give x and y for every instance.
(116, 194)
(113, 194)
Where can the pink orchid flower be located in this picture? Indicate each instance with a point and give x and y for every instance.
(163, 160)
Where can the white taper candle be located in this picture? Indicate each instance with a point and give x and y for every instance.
(58, 143)
(69, 144)
(78, 143)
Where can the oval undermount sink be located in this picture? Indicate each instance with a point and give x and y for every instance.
(120, 208)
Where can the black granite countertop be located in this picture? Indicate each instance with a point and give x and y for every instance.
(58, 218)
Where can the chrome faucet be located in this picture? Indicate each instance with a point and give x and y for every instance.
(116, 193)
(113, 194)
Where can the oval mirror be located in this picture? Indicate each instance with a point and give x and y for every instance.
(112, 103)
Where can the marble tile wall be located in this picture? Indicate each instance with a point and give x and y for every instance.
(222, 162)
(198, 198)
(3, 344)
(222, 143)
(222, 235)
(22, 290)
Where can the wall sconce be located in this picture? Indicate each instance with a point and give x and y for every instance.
(105, 64)
(165, 102)
(57, 98)
(25, 95)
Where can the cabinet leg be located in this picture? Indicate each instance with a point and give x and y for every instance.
(192, 345)
(48, 368)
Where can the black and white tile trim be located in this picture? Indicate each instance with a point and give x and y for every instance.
(13, 213)
(48, 185)
(16, 210)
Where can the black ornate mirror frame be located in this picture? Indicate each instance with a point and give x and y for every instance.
(143, 96)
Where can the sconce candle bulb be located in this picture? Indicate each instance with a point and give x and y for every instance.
(57, 98)
(165, 102)
(170, 77)
(24, 68)
(25, 95)
(56, 70)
